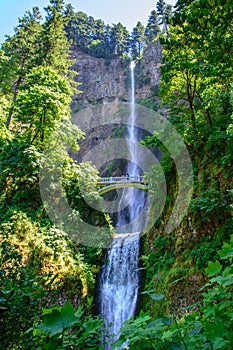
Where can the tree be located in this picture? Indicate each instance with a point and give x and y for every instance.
(96, 32)
(137, 40)
(119, 39)
(87, 33)
(81, 31)
(54, 46)
(107, 41)
(19, 56)
(152, 29)
(198, 63)
(32, 46)
(165, 12)
(70, 27)
(94, 37)
(99, 30)
(42, 104)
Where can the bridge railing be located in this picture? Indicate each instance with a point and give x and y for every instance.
(113, 179)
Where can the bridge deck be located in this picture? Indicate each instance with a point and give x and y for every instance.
(121, 179)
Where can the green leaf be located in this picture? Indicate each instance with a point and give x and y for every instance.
(225, 305)
(223, 281)
(116, 344)
(219, 343)
(148, 291)
(140, 320)
(213, 268)
(92, 326)
(57, 321)
(6, 291)
(196, 330)
(226, 252)
(157, 296)
(169, 334)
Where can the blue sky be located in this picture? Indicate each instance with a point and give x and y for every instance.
(128, 12)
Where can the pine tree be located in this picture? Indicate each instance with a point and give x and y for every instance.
(70, 26)
(152, 29)
(91, 28)
(82, 31)
(107, 41)
(20, 52)
(99, 30)
(165, 12)
(54, 46)
(137, 40)
(35, 48)
(119, 39)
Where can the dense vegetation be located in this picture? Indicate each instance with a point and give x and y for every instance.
(47, 279)
(100, 40)
(196, 86)
(40, 264)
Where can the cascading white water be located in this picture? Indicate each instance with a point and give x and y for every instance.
(119, 281)
(119, 285)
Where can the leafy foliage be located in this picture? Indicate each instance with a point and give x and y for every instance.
(42, 104)
(65, 328)
(196, 86)
(22, 293)
(40, 264)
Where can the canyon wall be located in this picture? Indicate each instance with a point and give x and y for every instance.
(102, 80)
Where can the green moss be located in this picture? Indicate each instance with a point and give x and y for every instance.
(179, 242)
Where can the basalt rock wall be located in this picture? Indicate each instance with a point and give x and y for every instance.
(102, 80)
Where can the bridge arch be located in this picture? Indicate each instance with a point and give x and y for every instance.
(112, 183)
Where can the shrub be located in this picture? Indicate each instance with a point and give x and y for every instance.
(22, 294)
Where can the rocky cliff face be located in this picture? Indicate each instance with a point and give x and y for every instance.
(108, 80)
(149, 71)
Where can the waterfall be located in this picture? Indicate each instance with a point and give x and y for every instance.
(119, 284)
(119, 280)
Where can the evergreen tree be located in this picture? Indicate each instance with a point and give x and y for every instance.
(96, 44)
(165, 12)
(152, 29)
(34, 46)
(94, 37)
(80, 30)
(54, 45)
(20, 55)
(91, 27)
(137, 40)
(70, 27)
(119, 39)
(99, 30)
(107, 41)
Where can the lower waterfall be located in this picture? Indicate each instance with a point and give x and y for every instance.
(120, 283)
